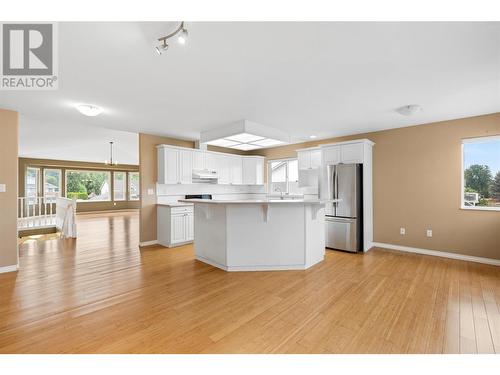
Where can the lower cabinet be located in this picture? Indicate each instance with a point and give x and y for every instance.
(175, 225)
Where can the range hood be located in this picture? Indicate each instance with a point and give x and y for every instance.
(205, 176)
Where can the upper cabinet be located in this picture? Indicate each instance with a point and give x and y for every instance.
(253, 170)
(309, 158)
(176, 166)
(346, 152)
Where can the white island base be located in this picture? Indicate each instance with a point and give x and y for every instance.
(259, 235)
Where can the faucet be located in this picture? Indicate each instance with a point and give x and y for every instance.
(281, 191)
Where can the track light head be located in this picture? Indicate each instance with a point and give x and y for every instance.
(181, 33)
(182, 37)
(161, 48)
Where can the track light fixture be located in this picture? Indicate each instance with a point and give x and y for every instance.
(181, 33)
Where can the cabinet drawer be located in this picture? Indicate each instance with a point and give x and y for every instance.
(181, 210)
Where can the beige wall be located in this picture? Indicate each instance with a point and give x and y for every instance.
(8, 176)
(66, 164)
(417, 185)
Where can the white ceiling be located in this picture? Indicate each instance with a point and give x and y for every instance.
(41, 139)
(325, 79)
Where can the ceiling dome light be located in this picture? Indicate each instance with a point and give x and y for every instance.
(183, 35)
(313, 136)
(89, 110)
(409, 110)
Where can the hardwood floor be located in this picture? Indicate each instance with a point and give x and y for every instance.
(100, 294)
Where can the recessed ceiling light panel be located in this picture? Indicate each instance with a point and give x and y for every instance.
(267, 142)
(223, 143)
(89, 110)
(245, 138)
(246, 147)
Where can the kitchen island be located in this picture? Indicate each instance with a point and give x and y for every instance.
(259, 235)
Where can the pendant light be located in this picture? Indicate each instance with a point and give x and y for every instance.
(111, 161)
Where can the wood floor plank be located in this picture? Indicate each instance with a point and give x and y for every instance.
(103, 294)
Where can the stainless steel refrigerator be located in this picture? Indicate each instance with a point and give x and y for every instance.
(344, 220)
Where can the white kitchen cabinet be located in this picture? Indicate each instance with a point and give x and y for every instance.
(331, 155)
(253, 170)
(211, 161)
(175, 225)
(199, 160)
(176, 165)
(185, 166)
(309, 158)
(351, 153)
(223, 168)
(168, 165)
(315, 159)
(236, 170)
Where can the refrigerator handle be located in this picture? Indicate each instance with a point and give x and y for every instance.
(336, 182)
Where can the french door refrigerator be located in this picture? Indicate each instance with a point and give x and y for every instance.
(344, 219)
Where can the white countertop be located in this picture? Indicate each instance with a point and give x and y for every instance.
(261, 201)
(174, 204)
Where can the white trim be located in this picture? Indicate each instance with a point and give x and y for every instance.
(148, 243)
(443, 254)
(257, 267)
(12, 268)
(480, 208)
(485, 138)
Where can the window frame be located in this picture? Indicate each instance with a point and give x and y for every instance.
(108, 172)
(49, 199)
(37, 184)
(129, 195)
(462, 172)
(125, 184)
(269, 175)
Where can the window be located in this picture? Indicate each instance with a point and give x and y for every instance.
(119, 186)
(283, 176)
(133, 186)
(51, 184)
(32, 184)
(481, 173)
(88, 186)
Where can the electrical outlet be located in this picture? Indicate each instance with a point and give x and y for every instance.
(3, 188)
(402, 231)
(151, 191)
(429, 232)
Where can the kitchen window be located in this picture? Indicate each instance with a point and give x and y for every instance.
(88, 186)
(481, 173)
(283, 176)
(119, 186)
(52, 183)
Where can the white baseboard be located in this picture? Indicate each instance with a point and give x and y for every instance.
(443, 254)
(257, 267)
(148, 243)
(12, 268)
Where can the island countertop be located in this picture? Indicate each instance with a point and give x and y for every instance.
(260, 201)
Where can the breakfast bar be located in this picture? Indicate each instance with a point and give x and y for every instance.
(259, 235)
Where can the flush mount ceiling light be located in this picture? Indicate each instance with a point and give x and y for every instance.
(244, 135)
(409, 110)
(313, 136)
(181, 33)
(89, 109)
